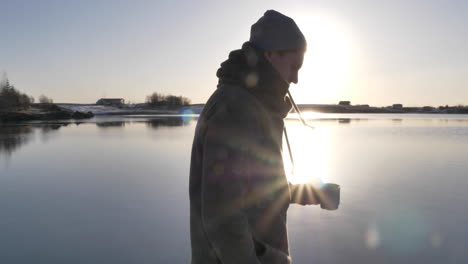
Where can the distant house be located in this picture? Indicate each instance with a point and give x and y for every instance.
(397, 106)
(111, 101)
(344, 103)
(428, 108)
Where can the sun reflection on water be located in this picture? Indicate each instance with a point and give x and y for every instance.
(310, 149)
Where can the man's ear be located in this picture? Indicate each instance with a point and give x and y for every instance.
(268, 55)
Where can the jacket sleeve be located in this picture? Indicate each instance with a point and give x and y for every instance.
(226, 144)
(304, 194)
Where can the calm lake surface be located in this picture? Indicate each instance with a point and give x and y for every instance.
(115, 190)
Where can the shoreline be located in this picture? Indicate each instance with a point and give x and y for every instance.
(42, 113)
(57, 112)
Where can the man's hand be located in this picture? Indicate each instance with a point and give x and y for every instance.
(305, 194)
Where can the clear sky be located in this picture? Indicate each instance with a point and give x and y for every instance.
(368, 52)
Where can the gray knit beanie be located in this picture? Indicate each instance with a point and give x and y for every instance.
(275, 31)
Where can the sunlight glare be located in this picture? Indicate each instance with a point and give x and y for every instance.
(310, 153)
(326, 72)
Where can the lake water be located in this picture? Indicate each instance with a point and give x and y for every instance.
(115, 190)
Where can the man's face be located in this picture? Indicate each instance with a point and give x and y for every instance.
(287, 63)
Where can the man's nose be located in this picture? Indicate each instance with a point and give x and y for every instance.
(295, 78)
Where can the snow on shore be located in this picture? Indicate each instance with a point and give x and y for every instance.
(112, 110)
(95, 109)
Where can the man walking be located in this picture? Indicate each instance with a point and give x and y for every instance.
(239, 193)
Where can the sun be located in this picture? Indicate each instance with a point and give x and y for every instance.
(326, 72)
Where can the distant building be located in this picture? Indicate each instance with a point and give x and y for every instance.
(344, 103)
(111, 101)
(397, 106)
(428, 108)
(412, 109)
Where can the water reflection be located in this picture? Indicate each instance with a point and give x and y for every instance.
(167, 122)
(48, 131)
(344, 120)
(106, 195)
(412, 119)
(111, 124)
(14, 136)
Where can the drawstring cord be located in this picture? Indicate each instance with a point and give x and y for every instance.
(296, 109)
(289, 149)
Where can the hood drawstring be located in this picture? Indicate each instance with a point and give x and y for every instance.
(296, 109)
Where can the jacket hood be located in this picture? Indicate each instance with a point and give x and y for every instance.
(248, 69)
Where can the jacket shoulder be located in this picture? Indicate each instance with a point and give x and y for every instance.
(232, 102)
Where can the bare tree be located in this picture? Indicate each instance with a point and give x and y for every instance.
(155, 99)
(45, 100)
